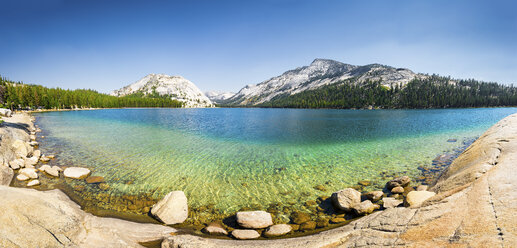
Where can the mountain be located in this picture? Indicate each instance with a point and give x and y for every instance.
(218, 96)
(319, 73)
(175, 87)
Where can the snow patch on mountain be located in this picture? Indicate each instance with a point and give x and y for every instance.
(218, 96)
(177, 87)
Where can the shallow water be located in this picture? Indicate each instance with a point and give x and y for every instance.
(228, 159)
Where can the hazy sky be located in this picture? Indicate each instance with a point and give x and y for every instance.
(224, 45)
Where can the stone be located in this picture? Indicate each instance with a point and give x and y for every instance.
(22, 177)
(390, 202)
(44, 159)
(365, 207)
(76, 172)
(172, 209)
(307, 226)
(421, 188)
(31, 161)
(6, 112)
(300, 217)
(364, 182)
(33, 183)
(36, 153)
(215, 228)
(29, 172)
(6, 175)
(402, 181)
(51, 156)
(416, 198)
(277, 230)
(20, 150)
(397, 190)
(105, 186)
(95, 179)
(346, 199)
(57, 168)
(254, 219)
(53, 171)
(374, 195)
(32, 137)
(17, 164)
(33, 143)
(245, 234)
(337, 220)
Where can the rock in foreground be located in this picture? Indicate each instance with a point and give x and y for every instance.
(346, 199)
(245, 234)
(76, 172)
(365, 207)
(254, 219)
(277, 230)
(172, 209)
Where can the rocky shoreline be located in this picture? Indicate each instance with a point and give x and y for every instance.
(249, 224)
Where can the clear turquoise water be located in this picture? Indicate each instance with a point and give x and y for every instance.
(233, 158)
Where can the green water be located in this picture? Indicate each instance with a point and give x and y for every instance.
(234, 158)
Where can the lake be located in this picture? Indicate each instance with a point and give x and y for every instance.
(226, 159)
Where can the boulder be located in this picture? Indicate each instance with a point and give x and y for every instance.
(300, 217)
(374, 195)
(277, 230)
(44, 159)
(95, 179)
(390, 202)
(36, 153)
(6, 112)
(53, 171)
(32, 137)
(402, 181)
(397, 190)
(346, 199)
(19, 148)
(33, 143)
(30, 162)
(22, 177)
(33, 183)
(416, 198)
(57, 168)
(215, 228)
(254, 219)
(76, 172)
(245, 234)
(29, 172)
(6, 175)
(17, 164)
(172, 209)
(365, 207)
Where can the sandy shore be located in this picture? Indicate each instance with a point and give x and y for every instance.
(475, 206)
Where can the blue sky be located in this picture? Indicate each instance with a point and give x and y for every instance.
(224, 45)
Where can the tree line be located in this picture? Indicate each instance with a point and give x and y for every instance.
(17, 95)
(430, 92)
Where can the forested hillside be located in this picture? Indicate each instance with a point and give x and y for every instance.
(16, 95)
(430, 92)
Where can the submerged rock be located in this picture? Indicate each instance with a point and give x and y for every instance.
(215, 228)
(365, 207)
(416, 198)
(245, 234)
(172, 209)
(337, 220)
(254, 219)
(346, 199)
(95, 179)
(76, 172)
(298, 217)
(402, 181)
(309, 225)
(277, 230)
